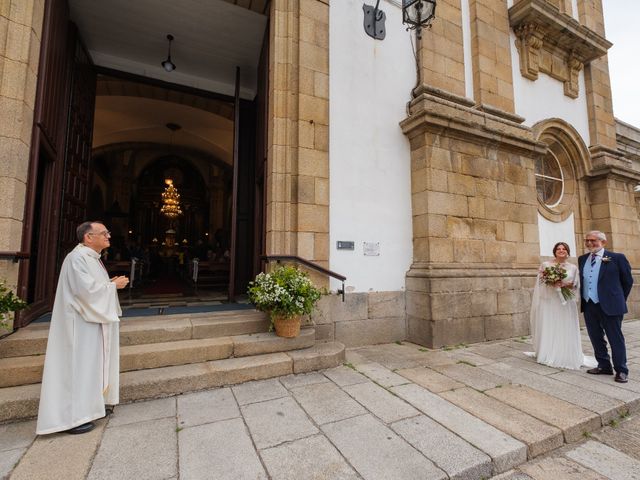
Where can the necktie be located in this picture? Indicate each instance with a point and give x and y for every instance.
(593, 259)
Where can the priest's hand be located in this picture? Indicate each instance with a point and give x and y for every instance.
(120, 281)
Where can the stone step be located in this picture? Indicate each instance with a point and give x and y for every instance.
(32, 340)
(21, 402)
(15, 371)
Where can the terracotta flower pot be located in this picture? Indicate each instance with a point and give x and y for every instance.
(287, 327)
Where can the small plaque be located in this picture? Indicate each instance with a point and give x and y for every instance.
(345, 245)
(371, 249)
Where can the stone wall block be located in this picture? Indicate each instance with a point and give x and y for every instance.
(484, 303)
(458, 330)
(498, 326)
(370, 332)
(418, 305)
(355, 307)
(514, 301)
(452, 305)
(386, 304)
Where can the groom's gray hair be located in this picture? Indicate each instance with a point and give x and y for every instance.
(598, 234)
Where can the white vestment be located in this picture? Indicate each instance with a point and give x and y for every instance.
(82, 363)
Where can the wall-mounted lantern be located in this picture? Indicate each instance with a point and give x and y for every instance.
(418, 14)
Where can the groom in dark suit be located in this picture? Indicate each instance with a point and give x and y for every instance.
(606, 283)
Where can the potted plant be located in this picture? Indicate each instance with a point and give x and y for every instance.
(9, 302)
(285, 293)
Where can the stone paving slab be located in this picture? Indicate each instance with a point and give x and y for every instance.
(572, 420)
(472, 376)
(459, 459)
(218, 450)
(630, 398)
(624, 437)
(206, 407)
(325, 402)
(17, 435)
(384, 405)
(142, 411)
(276, 421)
(505, 451)
(429, 379)
(59, 456)
(9, 459)
(376, 452)
(302, 379)
(381, 375)
(343, 376)
(559, 468)
(606, 461)
(138, 451)
(311, 457)
(529, 363)
(607, 407)
(538, 436)
(259, 391)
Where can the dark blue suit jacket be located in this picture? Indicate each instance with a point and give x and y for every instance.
(614, 283)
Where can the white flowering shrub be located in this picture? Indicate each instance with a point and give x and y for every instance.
(286, 291)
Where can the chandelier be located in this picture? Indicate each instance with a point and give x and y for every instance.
(170, 201)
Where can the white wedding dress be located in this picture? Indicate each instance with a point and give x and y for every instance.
(555, 328)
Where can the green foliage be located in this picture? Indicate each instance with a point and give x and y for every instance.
(286, 291)
(9, 302)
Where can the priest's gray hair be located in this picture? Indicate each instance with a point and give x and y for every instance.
(598, 234)
(83, 229)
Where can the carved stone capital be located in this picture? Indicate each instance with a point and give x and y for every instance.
(574, 65)
(549, 40)
(529, 42)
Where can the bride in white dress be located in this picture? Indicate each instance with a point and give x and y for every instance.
(555, 328)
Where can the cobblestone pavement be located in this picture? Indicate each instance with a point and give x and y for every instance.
(395, 411)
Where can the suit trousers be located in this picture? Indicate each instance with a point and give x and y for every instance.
(598, 324)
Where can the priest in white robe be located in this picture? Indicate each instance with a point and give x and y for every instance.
(82, 365)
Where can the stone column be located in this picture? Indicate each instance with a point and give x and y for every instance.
(440, 51)
(20, 33)
(474, 203)
(612, 177)
(491, 52)
(297, 219)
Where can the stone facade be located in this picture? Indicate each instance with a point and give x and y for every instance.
(475, 206)
(20, 33)
(474, 199)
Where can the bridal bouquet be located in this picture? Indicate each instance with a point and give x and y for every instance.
(553, 274)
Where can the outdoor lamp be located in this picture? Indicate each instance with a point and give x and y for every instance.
(167, 64)
(417, 14)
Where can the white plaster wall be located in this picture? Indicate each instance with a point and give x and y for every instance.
(540, 99)
(552, 233)
(369, 156)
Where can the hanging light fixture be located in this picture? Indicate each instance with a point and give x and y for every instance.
(168, 65)
(418, 14)
(170, 201)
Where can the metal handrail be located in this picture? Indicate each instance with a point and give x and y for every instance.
(15, 256)
(309, 264)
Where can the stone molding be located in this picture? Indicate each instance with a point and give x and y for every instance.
(434, 110)
(553, 42)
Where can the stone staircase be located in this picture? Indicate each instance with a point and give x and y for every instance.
(168, 355)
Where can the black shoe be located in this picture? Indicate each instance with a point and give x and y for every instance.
(84, 428)
(621, 377)
(108, 410)
(600, 371)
